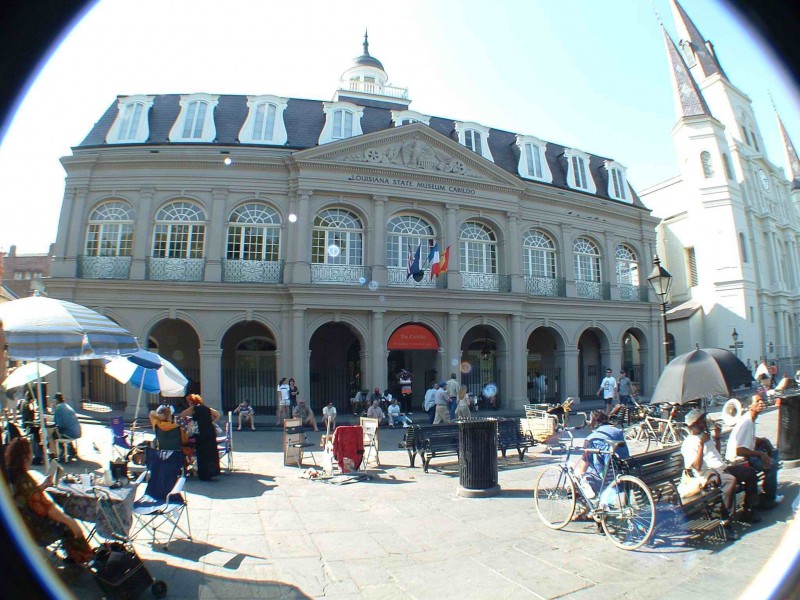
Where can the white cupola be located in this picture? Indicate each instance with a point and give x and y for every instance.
(367, 79)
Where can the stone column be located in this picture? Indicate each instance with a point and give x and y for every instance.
(773, 255)
(75, 234)
(453, 346)
(378, 246)
(377, 371)
(570, 379)
(607, 259)
(142, 234)
(567, 262)
(215, 236)
(518, 364)
(210, 379)
(64, 265)
(451, 239)
(301, 273)
(299, 354)
(513, 250)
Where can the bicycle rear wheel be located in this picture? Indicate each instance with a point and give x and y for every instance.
(554, 497)
(629, 513)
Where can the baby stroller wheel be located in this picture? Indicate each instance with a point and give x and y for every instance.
(159, 589)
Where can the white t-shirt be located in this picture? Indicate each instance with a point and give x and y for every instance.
(329, 411)
(609, 384)
(283, 389)
(742, 436)
(711, 457)
(394, 410)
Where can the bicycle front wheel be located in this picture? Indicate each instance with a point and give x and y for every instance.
(555, 497)
(628, 513)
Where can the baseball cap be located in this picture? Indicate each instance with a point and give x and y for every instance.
(693, 416)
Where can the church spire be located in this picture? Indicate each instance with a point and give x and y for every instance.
(366, 43)
(689, 101)
(697, 49)
(791, 154)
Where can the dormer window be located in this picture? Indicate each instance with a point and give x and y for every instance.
(131, 124)
(406, 117)
(343, 120)
(264, 123)
(617, 182)
(532, 162)
(475, 137)
(579, 177)
(195, 123)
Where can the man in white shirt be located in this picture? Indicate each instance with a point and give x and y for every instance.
(429, 406)
(608, 387)
(395, 416)
(759, 452)
(329, 416)
(701, 455)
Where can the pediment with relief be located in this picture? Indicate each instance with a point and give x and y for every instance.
(410, 153)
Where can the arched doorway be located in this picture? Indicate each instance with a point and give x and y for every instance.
(334, 366)
(177, 341)
(590, 363)
(249, 367)
(543, 360)
(480, 364)
(634, 351)
(415, 348)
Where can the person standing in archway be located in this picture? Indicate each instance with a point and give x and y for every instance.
(405, 378)
(284, 400)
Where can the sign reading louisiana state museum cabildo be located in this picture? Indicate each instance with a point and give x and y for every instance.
(412, 337)
(408, 183)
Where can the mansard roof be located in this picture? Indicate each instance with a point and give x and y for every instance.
(305, 119)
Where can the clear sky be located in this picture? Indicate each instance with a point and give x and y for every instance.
(592, 75)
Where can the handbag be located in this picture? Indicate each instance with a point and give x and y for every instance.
(692, 484)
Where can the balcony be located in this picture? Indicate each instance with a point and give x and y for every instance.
(340, 274)
(398, 278)
(594, 290)
(374, 88)
(632, 293)
(252, 271)
(175, 269)
(546, 286)
(485, 282)
(104, 267)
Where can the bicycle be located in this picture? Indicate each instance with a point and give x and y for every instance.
(623, 506)
(657, 431)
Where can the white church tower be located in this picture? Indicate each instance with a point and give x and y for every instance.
(730, 230)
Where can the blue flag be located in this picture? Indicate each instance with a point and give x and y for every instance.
(414, 269)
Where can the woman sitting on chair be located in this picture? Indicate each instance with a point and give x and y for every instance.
(45, 521)
(206, 437)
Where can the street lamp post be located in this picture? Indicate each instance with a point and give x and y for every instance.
(736, 343)
(660, 280)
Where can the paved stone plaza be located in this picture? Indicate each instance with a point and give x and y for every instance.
(266, 532)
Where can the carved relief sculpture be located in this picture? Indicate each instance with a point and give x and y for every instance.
(411, 154)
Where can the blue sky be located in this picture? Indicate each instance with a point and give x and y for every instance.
(593, 75)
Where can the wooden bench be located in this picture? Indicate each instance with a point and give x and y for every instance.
(661, 471)
(511, 434)
(409, 443)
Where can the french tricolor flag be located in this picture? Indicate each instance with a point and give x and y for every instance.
(433, 259)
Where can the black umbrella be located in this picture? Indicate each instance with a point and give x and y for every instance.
(700, 373)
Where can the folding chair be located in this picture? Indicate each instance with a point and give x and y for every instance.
(120, 444)
(298, 442)
(371, 442)
(163, 502)
(110, 523)
(66, 445)
(169, 439)
(225, 445)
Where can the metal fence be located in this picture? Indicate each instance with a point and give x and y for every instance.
(328, 386)
(104, 267)
(479, 377)
(258, 386)
(553, 392)
(99, 387)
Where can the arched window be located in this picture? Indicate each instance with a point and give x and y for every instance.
(478, 249)
(627, 266)
(337, 238)
(254, 233)
(180, 231)
(110, 230)
(404, 234)
(587, 260)
(726, 164)
(538, 255)
(708, 168)
(742, 247)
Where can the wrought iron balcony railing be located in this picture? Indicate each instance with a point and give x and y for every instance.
(485, 282)
(175, 269)
(398, 278)
(252, 271)
(374, 88)
(104, 267)
(340, 274)
(595, 290)
(546, 286)
(632, 293)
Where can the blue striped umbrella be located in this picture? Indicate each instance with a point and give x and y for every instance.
(39, 328)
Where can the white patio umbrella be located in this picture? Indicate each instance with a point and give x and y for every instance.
(46, 329)
(26, 373)
(148, 372)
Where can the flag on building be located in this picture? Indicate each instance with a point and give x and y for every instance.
(443, 262)
(433, 260)
(414, 270)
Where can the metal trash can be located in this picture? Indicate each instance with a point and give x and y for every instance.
(477, 453)
(789, 430)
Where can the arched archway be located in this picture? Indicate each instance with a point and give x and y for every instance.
(249, 367)
(335, 366)
(634, 356)
(482, 349)
(177, 341)
(543, 359)
(590, 362)
(413, 347)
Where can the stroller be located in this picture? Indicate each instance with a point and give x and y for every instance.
(116, 567)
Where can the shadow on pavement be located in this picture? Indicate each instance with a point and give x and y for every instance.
(248, 485)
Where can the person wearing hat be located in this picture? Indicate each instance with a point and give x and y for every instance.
(442, 403)
(590, 466)
(701, 455)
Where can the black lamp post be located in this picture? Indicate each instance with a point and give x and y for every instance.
(735, 338)
(660, 280)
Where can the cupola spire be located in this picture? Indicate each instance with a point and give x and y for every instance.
(697, 50)
(791, 154)
(689, 101)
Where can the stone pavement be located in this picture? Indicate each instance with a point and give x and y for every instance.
(266, 532)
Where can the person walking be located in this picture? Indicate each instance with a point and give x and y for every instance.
(205, 444)
(464, 402)
(608, 388)
(442, 400)
(429, 406)
(452, 386)
(284, 401)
